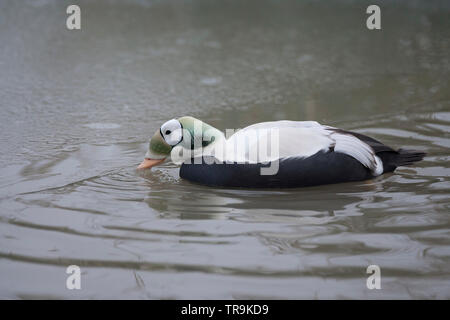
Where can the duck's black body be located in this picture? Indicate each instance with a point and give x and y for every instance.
(321, 168)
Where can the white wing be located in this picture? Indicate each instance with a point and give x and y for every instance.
(269, 141)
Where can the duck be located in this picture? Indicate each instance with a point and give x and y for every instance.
(274, 154)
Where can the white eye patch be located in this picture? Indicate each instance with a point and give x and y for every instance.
(172, 132)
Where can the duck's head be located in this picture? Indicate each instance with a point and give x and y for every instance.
(185, 133)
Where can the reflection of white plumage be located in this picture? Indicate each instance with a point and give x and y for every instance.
(306, 150)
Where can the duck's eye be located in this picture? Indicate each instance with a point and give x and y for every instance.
(168, 132)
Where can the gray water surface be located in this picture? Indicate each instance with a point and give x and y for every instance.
(78, 107)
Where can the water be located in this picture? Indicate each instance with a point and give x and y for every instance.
(77, 109)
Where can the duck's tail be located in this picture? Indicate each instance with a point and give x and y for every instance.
(407, 157)
(393, 159)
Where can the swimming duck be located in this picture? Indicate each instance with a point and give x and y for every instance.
(277, 154)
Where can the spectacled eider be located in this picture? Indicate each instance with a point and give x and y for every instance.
(278, 154)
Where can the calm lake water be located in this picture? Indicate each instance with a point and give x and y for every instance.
(78, 107)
